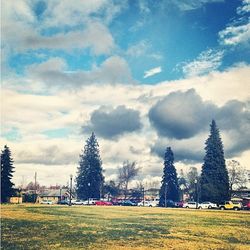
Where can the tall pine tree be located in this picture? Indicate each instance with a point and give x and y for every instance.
(214, 175)
(7, 169)
(89, 180)
(169, 184)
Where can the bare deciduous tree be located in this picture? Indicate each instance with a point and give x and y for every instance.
(192, 182)
(237, 175)
(127, 172)
(32, 186)
(152, 184)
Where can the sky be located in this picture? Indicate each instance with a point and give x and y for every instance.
(143, 75)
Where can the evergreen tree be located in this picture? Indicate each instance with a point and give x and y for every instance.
(111, 189)
(169, 184)
(7, 169)
(214, 175)
(89, 180)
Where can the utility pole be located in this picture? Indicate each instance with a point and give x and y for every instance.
(143, 195)
(60, 193)
(35, 182)
(23, 182)
(70, 190)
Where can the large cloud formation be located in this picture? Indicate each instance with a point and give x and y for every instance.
(182, 118)
(33, 18)
(110, 123)
(54, 72)
(181, 114)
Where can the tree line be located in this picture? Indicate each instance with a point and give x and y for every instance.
(214, 184)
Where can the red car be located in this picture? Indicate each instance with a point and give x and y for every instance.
(246, 205)
(103, 203)
(179, 204)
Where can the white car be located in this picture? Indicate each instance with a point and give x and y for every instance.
(207, 205)
(77, 202)
(148, 204)
(48, 202)
(90, 201)
(191, 204)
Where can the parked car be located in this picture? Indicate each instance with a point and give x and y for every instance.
(77, 202)
(179, 204)
(63, 202)
(229, 205)
(128, 203)
(169, 203)
(246, 204)
(90, 201)
(115, 202)
(191, 204)
(208, 205)
(48, 202)
(147, 204)
(103, 203)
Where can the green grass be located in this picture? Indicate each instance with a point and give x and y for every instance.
(79, 227)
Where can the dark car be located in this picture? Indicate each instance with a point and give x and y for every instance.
(169, 203)
(63, 202)
(246, 204)
(128, 203)
(179, 203)
(116, 202)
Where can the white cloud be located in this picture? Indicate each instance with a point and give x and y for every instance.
(244, 8)
(46, 175)
(234, 35)
(32, 114)
(53, 73)
(152, 72)
(73, 13)
(63, 12)
(143, 49)
(96, 36)
(238, 32)
(143, 6)
(83, 30)
(138, 49)
(206, 62)
(187, 5)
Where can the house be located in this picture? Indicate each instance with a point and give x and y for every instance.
(151, 193)
(16, 200)
(54, 195)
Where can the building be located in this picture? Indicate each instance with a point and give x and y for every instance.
(151, 193)
(242, 193)
(16, 200)
(54, 195)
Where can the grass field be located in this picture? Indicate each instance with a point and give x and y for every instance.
(79, 227)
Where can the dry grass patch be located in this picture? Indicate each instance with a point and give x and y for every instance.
(79, 227)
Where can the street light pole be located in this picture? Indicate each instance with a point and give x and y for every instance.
(182, 187)
(196, 192)
(143, 196)
(88, 191)
(60, 193)
(70, 190)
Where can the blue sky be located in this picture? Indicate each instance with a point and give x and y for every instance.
(148, 34)
(69, 67)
